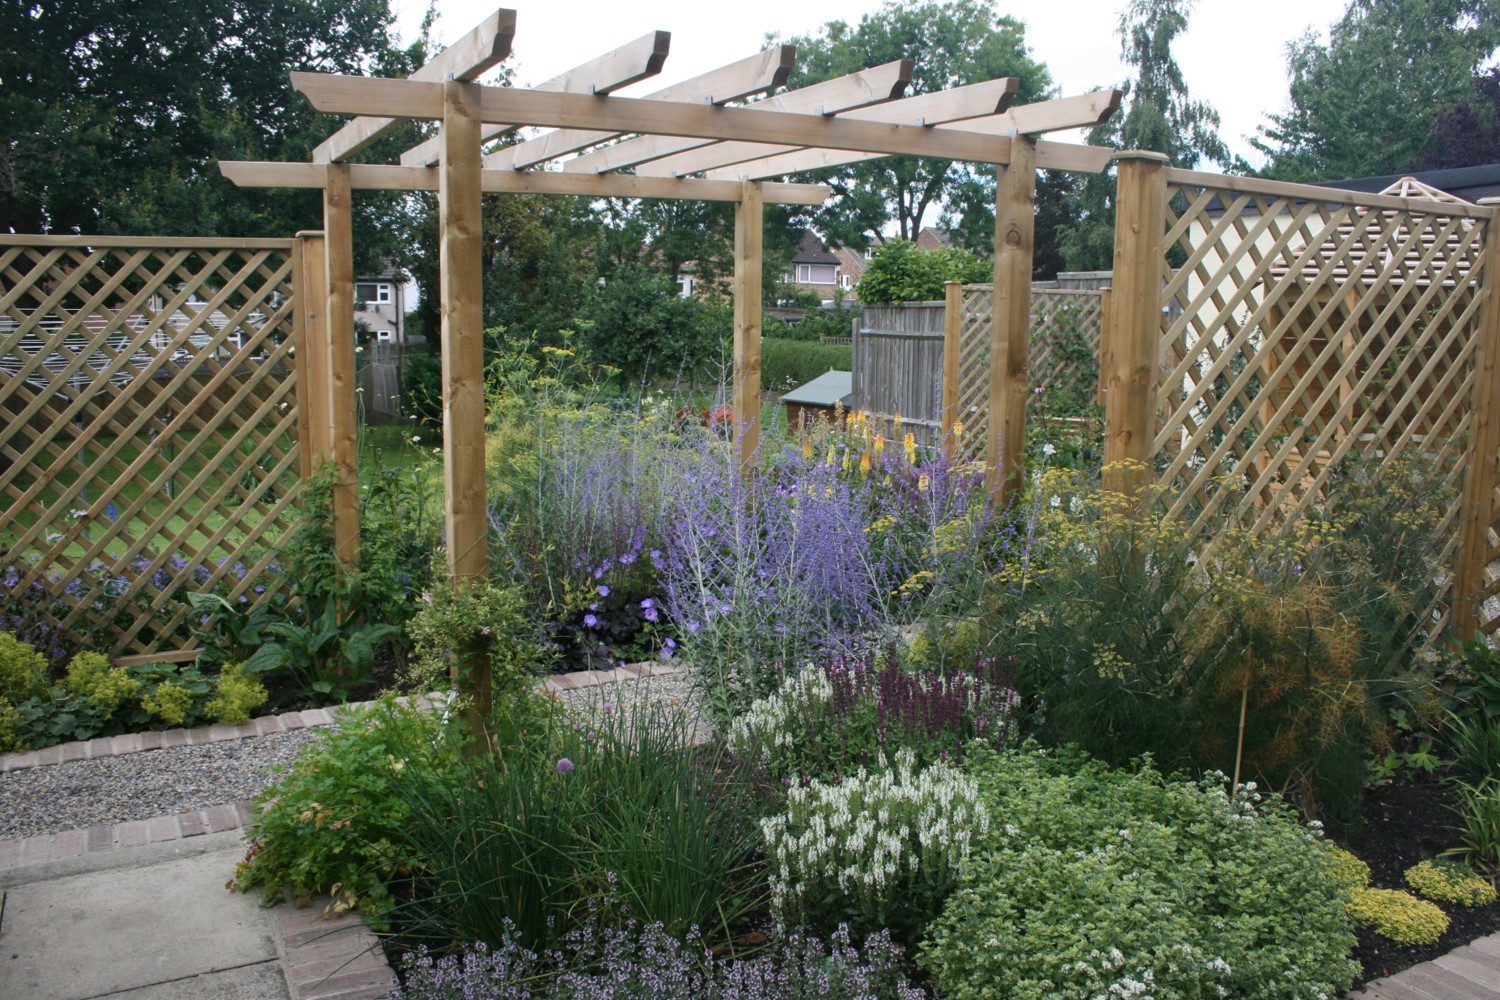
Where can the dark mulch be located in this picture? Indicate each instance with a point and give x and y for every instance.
(1407, 822)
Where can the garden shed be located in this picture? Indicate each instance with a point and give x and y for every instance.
(818, 400)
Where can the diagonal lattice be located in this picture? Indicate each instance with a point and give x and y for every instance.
(150, 442)
(1064, 363)
(1302, 336)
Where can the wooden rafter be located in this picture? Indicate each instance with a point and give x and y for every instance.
(842, 94)
(755, 74)
(382, 177)
(630, 63)
(1045, 116)
(940, 107)
(485, 46)
(508, 106)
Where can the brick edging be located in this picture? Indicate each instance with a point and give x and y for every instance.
(44, 847)
(328, 956)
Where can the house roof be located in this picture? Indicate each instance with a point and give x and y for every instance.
(1372, 248)
(812, 251)
(827, 390)
(1461, 183)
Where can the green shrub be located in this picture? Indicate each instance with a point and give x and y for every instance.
(486, 624)
(1451, 882)
(23, 671)
(235, 695)
(337, 817)
(900, 272)
(1398, 916)
(876, 851)
(1348, 870)
(169, 703)
(786, 364)
(89, 676)
(10, 724)
(1093, 881)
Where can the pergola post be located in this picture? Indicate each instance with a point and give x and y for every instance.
(953, 295)
(1133, 329)
(461, 311)
(310, 327)
(749, 223)
(338, 231)
(1010, 327)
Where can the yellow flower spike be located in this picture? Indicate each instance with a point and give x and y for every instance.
(909, 446)
(923, 482)
(807, 447)
(880, 444)
(898, 422)
(958, 428)
(831, 458)
(845, 463)
(864, 463)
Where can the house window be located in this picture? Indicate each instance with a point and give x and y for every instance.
(846, 281)
(815, 274)
(685, 285)
(371, 293)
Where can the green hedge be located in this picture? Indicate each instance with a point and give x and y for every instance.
(786, 364)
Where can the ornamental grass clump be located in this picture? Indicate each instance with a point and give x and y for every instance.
(832, 720)
(1099, 882)
(878, 850)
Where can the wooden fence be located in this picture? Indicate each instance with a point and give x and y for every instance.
(150, 396)
(1276, 337)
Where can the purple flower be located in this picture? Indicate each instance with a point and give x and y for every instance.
(590, 620)
(648, 603)
(627, 559)
(609, 708)
(670, 643)
(564, 765)
(651, 614)
(603, 590)
(666, 653)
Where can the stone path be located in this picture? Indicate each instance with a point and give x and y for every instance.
(1471, 972)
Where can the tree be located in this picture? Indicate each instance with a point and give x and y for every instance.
(1158, 115)
(1469, 134)
(1366, 103)
(951, 42)
(112, 114)
(899, 272)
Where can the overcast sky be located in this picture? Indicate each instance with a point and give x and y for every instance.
(1233, 54)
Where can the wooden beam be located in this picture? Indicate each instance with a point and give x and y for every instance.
(845, 93)
(338, 231)
(1482, 476)
(973, 101)
(1010, 325)
(1080, 111)
(625, 65)
(755, 74)
(311, 331)
(953, 306)
(1049, 156)
(505, 105)
(1134, 327)
(383, 177)
(749, 227)
(486, 45)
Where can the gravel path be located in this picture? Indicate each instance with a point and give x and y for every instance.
(162, 782)
(140, 785)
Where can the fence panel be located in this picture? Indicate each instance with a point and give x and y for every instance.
(150, 441)
(1304, 335)
(1065, 334)
(898, 368)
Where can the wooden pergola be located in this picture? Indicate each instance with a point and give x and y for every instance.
(698, 139)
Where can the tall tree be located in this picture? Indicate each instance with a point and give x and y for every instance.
(1159, 115)
(112, 114)
(951, 42)
(1469, 134)
(1365, 103)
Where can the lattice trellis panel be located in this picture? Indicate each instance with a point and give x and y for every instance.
(150, 442)
(1065, 325)
(1301, 336)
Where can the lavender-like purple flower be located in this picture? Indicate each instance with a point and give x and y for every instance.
(564, 766)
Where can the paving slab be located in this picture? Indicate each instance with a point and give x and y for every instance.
(151, 928)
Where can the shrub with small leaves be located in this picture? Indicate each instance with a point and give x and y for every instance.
(1451, 882)
(235, 695)
(1398, 916)
(107, 688)
(1098, 882)
(875, 851)
(169, 702)
(485, 624)
(1348, 870)
(23, 671)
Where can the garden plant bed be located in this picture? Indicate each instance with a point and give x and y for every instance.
(1407, 822)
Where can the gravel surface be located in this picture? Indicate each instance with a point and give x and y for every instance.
(140, 785)
(162, 782)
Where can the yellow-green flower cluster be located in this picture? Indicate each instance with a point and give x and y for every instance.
(1451, 882)
(1351, 872)
(1398, 916)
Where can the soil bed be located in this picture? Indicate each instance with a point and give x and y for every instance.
(1407, 822)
